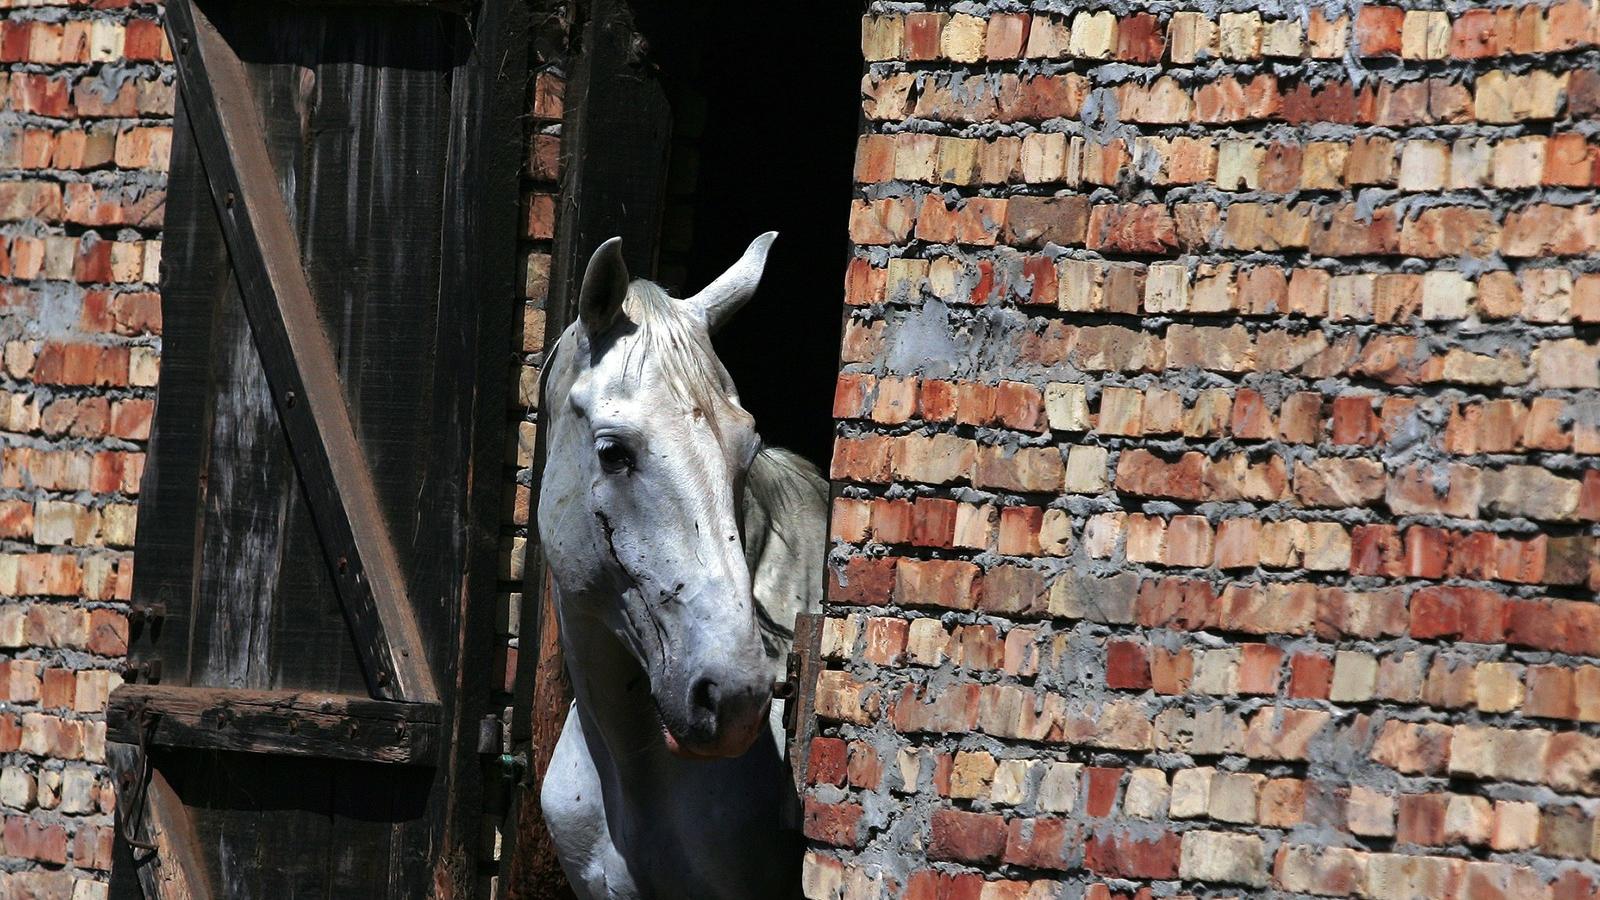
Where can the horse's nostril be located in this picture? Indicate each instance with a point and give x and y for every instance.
(704, 695)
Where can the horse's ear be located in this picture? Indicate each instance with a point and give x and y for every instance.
(723, 297)
(605, 286)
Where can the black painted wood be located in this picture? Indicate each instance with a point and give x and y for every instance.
(388, 146)
(297, 358)
(616, 142)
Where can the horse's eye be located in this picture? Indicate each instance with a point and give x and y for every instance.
(615, 457)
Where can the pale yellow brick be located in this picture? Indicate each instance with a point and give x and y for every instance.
(1058, 789)
(1078, 285)
(1146, 795)
(1044, 157)
(1355, 675)
(971, 775)
(1516, 825)
(1499, 687)
(1446, 295)
(1239, 165)
(1010, 782)
(1234, 797)
(1067, 406)
(882, 37)
(1189, 35)
(1424, 165)
(926, 642)
(1094, 35)
(916, 157)
(1223, 856)
(1191, 792)
(1048, 38)
(1240, 36)
(1283, 38)
(962, 39)
(1086, 469)
(1322, 165)
(1166, 288)
(958, 160)
(1216, 672)
(1425, 34)
(1055, 530)
(1518, 162)
(1370, 813)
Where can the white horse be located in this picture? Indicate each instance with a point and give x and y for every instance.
(680, 550)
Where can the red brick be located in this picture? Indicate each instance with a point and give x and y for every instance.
(1258, 668)
(92, 846)
(1101, 790)
(108, 633)
(966, 837)
(1044, 843)
(1020, 406)
(934, 522)
(1127, 666)
(1310, 676)
(1140, 39)
(862, 581)
(838, 824)
(950, 584)
(1121, 854)
(28, 839)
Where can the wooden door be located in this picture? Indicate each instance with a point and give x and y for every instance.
(310, 658)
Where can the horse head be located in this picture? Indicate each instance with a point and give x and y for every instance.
(639, 513)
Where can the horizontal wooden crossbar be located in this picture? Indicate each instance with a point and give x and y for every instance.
(456, 6)
(292, 723)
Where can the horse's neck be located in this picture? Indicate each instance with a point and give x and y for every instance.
(612, 695)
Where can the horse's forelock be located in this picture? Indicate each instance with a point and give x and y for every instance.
(676, 342)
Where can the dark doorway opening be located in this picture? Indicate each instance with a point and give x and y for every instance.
(766, 107)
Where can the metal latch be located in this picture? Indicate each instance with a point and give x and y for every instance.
(136, 784)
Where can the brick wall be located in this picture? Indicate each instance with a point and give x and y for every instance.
(1216, 456)
(85, 131)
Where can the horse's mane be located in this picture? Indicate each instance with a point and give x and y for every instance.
(785, 507)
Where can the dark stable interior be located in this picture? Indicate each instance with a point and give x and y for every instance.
(765, 123)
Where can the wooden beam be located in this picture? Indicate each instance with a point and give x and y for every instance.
(175, 870)
(799, 710)
(297, 357)
(455, 6)
(290, 723)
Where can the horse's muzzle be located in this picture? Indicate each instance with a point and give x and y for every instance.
(722, 718)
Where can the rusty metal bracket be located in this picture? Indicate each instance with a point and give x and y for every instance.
(136, 785)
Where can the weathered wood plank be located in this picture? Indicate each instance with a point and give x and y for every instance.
(293, 723)
(298, 358)
(174, 870)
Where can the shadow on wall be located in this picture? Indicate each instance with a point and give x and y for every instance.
(765, 99)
